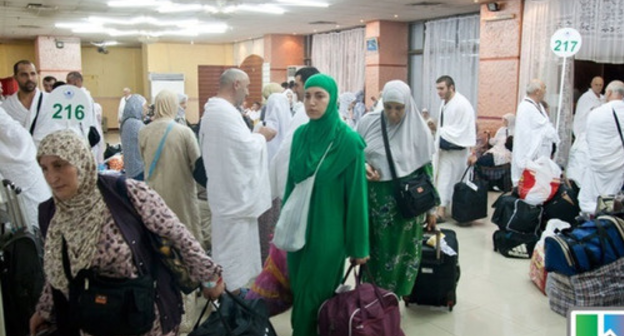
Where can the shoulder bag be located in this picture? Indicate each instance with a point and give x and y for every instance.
(292, 224)
(159, 150)
(413, 196)
(444, 144)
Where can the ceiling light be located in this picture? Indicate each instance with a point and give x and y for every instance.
(137, 3)
(264, 8)
(337, 26)
(144, 20)
(396, 16)
(303, 3)
(361, 21)
(179, 8)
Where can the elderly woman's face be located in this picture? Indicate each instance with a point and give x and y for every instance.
(316, 101)
(394, 112)
(61, 175)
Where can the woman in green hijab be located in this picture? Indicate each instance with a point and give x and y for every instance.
(338, 215)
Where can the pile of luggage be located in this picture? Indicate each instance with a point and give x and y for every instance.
(585, 265)
(522, 215)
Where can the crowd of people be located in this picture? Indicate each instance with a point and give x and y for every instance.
(254, 159)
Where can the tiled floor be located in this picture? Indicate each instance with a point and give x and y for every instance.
(495, 296)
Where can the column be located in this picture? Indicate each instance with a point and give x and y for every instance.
(57, 56)
(280, 51)
(389, 62)
(499, 63)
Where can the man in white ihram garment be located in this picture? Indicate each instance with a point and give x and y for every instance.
(589, 101)
(236, 162)
(457, 133)
(279, 163)
(605, 165)
(24, 104)
(127, 93)
(534, 134)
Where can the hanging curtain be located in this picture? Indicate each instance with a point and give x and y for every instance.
(600, 25)
(342, 55)
(451, 48)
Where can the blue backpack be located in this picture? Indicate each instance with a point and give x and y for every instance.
(586, 247)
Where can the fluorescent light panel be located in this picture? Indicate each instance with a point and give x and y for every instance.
(137, 3)
(303, 3)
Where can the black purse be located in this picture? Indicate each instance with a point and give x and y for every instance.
(446, 145)
(414, 196)
(235, 317)
(104, 306)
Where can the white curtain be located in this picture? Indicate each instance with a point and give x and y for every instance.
(451, 48)
(600, 25)
(342, 55)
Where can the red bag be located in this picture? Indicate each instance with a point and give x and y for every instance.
(539, 181)
(366, 311)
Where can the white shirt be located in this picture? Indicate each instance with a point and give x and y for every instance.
(457, 122)
(25, 117)
(533, 136)
(587, 102)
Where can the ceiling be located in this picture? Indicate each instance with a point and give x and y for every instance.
(19, 22)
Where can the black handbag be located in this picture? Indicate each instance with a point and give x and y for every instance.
(104, 306)
(413, 196)
(446, 145)
(468, 203)
(235, 317)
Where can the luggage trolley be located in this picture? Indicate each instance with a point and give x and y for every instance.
(21, 263)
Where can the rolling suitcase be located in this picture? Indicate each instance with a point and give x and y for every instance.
(21, 264)
(438, 274)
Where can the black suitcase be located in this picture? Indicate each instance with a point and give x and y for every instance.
(438, 275)
(470, 200)
(21, 265)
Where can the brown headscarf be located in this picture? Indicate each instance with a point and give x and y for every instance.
(166, 105)
(79, 219)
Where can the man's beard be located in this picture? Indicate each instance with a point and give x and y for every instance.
(28, 87)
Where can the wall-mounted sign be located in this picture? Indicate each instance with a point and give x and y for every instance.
(372, 44)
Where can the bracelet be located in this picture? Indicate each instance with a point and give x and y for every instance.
(209, 284)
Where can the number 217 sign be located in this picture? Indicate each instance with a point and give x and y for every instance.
(566, 42)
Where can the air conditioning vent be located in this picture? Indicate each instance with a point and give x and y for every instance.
(424, 4)
(41, 7)
(323, 22)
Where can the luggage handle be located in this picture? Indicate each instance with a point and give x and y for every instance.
(438, 246)
(358, 277)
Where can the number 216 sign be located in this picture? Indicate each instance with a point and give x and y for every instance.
(566, 42)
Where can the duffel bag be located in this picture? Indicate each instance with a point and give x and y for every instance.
(513, 244)
(587, 247)
(365, 311)
(515, 215)
(470, 199)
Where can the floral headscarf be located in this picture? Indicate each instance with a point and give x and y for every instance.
(80, 219)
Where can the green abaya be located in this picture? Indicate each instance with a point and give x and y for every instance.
(338, 215)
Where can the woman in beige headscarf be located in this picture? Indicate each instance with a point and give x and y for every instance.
(171, 175)
(94, 240)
